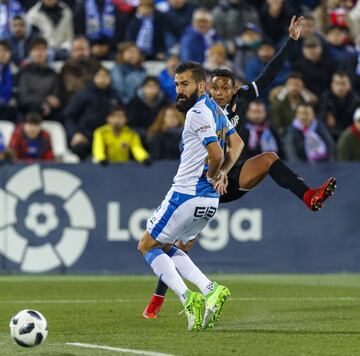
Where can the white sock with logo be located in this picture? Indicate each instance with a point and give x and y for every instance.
(190, 271)
(164, 267)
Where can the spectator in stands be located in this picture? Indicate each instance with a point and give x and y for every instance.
(116, 142)
(129, 73)
(144, 107)
(147, 30)
(315, 67)
(353, 19)
(54, 20)
(246, 46)
(7, 104)
(331, 12)
(177, 18)
(9, 9)
(167, 77)
(285, 99)
(78, 69)
(87, 110)
(275, 17)
(257, 134)
(338, 104)
(2, 149)
(308, 139)
(336, 37)
(198, 38)
(38, 84)
(20, 38)
(216, 57)
(354, 66)
(229, 18)
(102, 22)
(30, 142)
(348, 145)
(265, 52)
(165, 133)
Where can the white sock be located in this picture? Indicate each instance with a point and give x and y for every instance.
(190, 271)
(164, 267)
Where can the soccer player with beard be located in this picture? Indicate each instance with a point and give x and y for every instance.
(245, 175)
(193, 198)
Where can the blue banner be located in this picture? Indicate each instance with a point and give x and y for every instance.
(88, 219)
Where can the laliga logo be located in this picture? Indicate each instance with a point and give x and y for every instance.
(31, 207)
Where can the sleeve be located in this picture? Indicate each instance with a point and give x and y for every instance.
(48, 153)
(98, 148)
(343, 151)
(230, 128)
(2, 143)
(137, 149)
(248, 91)
(202, 126)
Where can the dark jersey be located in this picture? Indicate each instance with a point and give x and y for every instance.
(240, 102)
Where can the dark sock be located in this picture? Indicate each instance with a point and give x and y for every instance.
(288, 179)
(161, 288)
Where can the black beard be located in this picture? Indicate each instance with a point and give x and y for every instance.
(185, 106)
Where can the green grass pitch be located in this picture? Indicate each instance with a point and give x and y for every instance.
(266, 315)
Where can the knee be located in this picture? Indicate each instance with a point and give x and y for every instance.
(269, 158)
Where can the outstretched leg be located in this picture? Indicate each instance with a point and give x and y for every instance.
(157, 299)
(255, 169)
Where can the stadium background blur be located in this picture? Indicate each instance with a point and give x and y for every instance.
(74, 198)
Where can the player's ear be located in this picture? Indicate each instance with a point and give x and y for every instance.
(202, 85)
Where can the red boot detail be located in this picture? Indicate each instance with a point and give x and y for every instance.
(153, 308)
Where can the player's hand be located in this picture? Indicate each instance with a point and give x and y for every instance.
(295, 27)
(221, 183)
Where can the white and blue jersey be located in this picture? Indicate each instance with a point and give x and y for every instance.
(205, 123)
(192, 201)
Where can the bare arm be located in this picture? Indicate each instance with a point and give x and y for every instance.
(215, 159)
(235, 145)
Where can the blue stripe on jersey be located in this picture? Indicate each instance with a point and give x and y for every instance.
(205, 189)
(175, 201)
(230, 132)
(152, 254)
(208, 140)
(219, 118)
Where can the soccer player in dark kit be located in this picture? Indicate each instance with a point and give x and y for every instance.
(247, 174)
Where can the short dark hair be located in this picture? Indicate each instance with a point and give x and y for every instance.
(38, 41)
(341, 73)
(5, 44)
(295, 75)
(335, 27)
(18, 17)
(222, 72)
(257, 101)
(306, 104)
(150, 78)
(33, 117)
(116, 108)
(196, 69)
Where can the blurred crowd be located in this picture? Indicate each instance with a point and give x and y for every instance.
(103, 70)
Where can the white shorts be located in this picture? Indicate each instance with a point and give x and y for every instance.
(181, 217)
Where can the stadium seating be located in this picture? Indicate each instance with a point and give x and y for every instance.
(6, 128)
(59, 142)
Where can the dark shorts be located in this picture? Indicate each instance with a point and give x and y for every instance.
(233, 189)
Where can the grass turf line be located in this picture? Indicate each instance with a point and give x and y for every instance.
(268, 315)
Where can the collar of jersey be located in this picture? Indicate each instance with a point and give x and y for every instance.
(204, 96)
